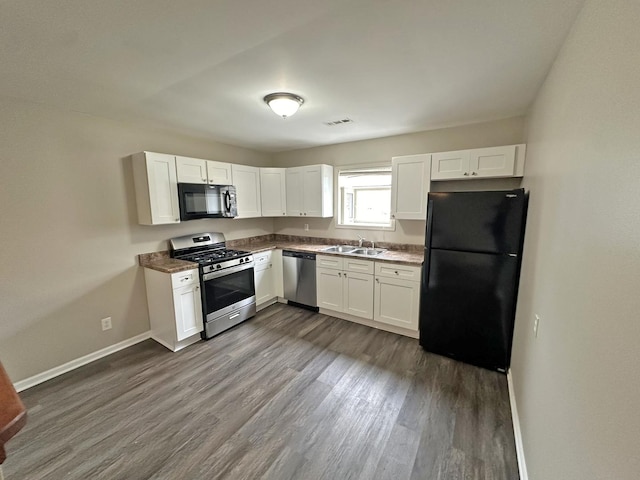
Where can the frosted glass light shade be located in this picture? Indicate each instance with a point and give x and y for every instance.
(284, 104)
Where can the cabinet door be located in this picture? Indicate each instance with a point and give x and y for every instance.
(156, 188)
(329, 289)
(312, 191)
(450, 165)
(317, 191)
(219, 173)
(358, 294)
(492, 162)
(191, 170)
(273, 192)
(188, 311)
(397, 302)
(247, 182)
(409, 186)
(265, 288)
(293, 186)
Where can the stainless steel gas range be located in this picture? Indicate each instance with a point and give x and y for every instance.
(226, 279)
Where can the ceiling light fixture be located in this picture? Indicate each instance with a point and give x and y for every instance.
(284, 104)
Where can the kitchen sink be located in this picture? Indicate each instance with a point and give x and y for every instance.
(340, 249)
(351, 250)
(370, 252)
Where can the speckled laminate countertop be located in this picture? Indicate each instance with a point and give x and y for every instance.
(162, 262)
(390, 256)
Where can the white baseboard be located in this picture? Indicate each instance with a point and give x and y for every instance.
(517, 433)
(78, 362)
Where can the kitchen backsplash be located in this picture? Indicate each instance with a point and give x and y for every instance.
(276, 237)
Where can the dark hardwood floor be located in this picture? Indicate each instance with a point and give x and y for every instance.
(288, 394)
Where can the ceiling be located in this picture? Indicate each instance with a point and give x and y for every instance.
(202, 67)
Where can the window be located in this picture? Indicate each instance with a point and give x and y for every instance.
(364, 198)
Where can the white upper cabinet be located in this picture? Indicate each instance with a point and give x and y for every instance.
(273, 191)
(198, 170)
(155, 179)
(493, 162)
(247, 182)
(309, 191)
(448, 165)
(219, 173)
(410, 186)
(191, 170)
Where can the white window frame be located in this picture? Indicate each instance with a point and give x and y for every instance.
(338, 201)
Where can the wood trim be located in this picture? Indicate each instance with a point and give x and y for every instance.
(78, 362)
(517, 432)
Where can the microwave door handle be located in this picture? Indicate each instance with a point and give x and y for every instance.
(227, 201)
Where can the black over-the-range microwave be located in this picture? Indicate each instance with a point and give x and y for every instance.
(206, 201)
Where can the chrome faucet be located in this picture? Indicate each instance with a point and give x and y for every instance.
(360, 240)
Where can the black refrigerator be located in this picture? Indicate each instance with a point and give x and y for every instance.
(473, 253)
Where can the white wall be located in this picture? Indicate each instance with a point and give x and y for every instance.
(501, 132)
(69, 234)
(577, 385)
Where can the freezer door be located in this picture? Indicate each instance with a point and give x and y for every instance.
(467, 307)
(476, 221)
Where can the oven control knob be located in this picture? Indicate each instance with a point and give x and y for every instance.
(218, 266)
(242, 260)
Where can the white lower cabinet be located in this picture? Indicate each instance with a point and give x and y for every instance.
(175, 307)
(384, 295)
(345, 285)
(266, 277)
(397, 295)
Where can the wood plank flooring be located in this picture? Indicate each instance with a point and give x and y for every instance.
(290, 394)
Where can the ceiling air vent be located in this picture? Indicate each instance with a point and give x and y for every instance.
(338, 122)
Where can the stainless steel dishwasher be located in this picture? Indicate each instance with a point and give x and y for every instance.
(299, 271)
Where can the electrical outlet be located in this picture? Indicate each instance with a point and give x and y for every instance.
(306, 227)
(106, 323)
(535, 325)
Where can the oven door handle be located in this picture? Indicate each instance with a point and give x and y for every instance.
(226, 271)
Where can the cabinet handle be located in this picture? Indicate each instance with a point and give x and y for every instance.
(474, 173)
(300, 213)
(393, 216)
(345, 274)
(204, 179)
(339, 274)
(197, 288)
(466, 174)
(177, 219)
(378, 280)
(305, 213)
(397, 272)
(270, 265)
(283, 213)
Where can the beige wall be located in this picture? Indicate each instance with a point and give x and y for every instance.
(69, 234)
(501, 132)
(577, 384)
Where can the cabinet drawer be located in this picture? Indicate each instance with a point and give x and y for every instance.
(327, 261)
(357, 265)
(392, 270)
(262, 260)
(182, 279)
